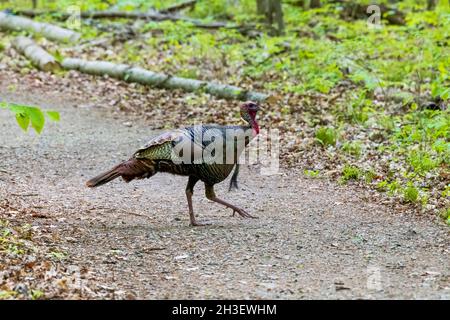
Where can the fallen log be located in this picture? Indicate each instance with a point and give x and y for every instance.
(49, 31)
(114, 14)
(40, 58)
(180, 6)
(160, 80)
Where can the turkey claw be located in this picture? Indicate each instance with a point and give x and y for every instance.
(243, 213)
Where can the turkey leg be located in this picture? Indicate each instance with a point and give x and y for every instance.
(189, 192)
(211, 195)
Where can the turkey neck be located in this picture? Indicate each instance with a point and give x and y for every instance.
(254, 125)
(250, 118)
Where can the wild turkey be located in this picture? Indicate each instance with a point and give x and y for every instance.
(162, 154)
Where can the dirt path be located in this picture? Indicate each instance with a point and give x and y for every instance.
(314, 239)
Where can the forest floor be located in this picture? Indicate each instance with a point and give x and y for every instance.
(313, 239)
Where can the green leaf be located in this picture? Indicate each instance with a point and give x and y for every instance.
(37, 118)
(23, 120)
(17, 108)
(53, 115)
(27, 114)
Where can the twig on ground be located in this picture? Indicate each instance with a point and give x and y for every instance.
(180, 6)
(121, 211)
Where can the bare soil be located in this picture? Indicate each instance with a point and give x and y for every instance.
(313, 239)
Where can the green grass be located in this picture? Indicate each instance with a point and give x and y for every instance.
(326, 136)
(11, 243)
(422, 162)
(350, 172)
(353, 148)
(411, 194)
(445, 215)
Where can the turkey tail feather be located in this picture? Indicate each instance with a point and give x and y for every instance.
(104, 178)
(128, 170)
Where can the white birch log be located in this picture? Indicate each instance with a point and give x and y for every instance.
(40, 58)
(49, 31)
(160, 80)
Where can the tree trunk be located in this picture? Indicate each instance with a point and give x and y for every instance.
(431, 4)
(261, 6)
(315, 4)
(278, 15)
(52, 32)
(35, 53)
(160, 80)
(272, 9)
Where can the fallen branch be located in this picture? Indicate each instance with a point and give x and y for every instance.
(24, 194)
(111, 14)
(106, 209)
(152, 16)
(36, 54)
(180, 6)
(49, 31)
(135, 214)
(160, 80)
(92, 43)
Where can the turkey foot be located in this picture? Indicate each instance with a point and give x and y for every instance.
(199, 224)
(210, 194)
(241, 212)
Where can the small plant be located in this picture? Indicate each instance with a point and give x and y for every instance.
(57, 255)
(352, 148)
(312, 173)
(422, 162)
(369, 175)
(7, 294)
(36, 294)
(358, 109)
(382, 185)
(445, 214)
(326, 136)
(393, 187)
(411, 194)
(387, 123)
(446, 192)
(350, 173)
